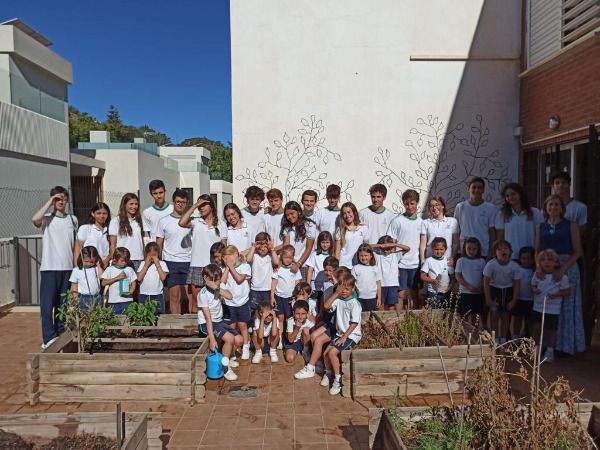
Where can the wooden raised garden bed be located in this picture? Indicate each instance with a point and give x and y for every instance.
(394, 368)
(140, 431)
(131, 368)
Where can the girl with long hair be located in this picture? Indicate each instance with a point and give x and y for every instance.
(349, 235)
(95, 233)
(125, 230)
(300, 232)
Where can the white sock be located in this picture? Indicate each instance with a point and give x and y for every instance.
(338, 377)
(310, 367)
(247, 345)
(273, 350)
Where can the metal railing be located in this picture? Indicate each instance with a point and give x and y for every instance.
(27, 259)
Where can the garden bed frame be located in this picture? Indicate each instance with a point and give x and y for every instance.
(126, 373)
(142, 430)
(409, 371)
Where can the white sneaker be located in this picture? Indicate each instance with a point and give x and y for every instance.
(49, 343)
(280, 344)
(246, 351)
(325, 381)
(548, 356)
(230, 375)
(336, 388)
(319, 367)
(305, 372)
(273, 356)
(233, 363)
(257, 358)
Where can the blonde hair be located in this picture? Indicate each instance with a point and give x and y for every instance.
(548, 254)
(232, 249)
(288, 249)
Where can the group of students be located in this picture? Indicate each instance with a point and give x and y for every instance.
(297, 278)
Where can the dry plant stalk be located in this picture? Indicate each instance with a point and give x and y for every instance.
(444, 323)
(374, 336)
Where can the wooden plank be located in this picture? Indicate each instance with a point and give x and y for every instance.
(200, 394)
(414, 365)
(384, 379)
(34, 362)
(93, 392)
(110, 378)
(200, 378)
(416, 352)
(154, 365)
(151, 341)
(115, 356)
(58, 345)
(138, 434)
(406, 389)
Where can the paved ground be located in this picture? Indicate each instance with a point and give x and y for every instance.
(287, 413)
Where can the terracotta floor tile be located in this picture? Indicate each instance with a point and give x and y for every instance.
(182, 447)
(171, 409)
(308, 420)
(362, 433)
(256, 409)
(304, 396)
(229, 410)
(17, 399)
(282, 446)
(193, 423)
(248, 437)
(97, 407)
(224, 399)
(6, 408)
(279, 421)
(281, 398)
(343, 446)
(328, 408)
(250, 422)
(217, 437)
(29, 409)
(169, 424)
(309, 435)
(280, 408)
(305, 408)
(187, 437)
(330, 420)
(221, 423)
(360, 419)
(340, 435)
(258, 400)
(198, 411)
(282, 388)
(276, 436)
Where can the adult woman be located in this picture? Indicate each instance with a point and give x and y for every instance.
(517, 220)
(300, 232)
(349, 235)
(562, 236)
(239, 233)
(438, 224)
(125, 230)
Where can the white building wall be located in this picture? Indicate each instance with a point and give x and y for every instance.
(411, 94)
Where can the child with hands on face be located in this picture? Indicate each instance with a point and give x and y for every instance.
(266, 333)
(297, 334)
(262, 257)
(151, 276)
(210, 318)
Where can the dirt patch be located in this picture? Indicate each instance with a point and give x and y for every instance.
(12, 441)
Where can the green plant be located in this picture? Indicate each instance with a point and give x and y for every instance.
(142, 315)
(98, 320)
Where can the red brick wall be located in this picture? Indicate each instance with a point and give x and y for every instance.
(568, 87)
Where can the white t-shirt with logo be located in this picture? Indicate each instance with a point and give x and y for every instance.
(256, 221)
(286, 281)
(445, 228)
(346, 311)
(471, 270)
(327, 219)
(207, 299)
(239, 291)
(272, 225)
(519, 230)
(318, 275)
(114, 295)
(476, 221)
(353, 239)
(89, 234)
(291, 322)
(133, 243)
(152, 284)
(366, 280)
(88, 282)
(502, 276)
(242, 238)
(378, 222)
(388, 266)
(435, 267)
(151, 216)
(58, 239)
(203, 237)
(262, 272)
(300, 246)
(548, 286)
(407, 231)
(177, 241)
(267, 327)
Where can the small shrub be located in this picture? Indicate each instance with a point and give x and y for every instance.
(142, 315)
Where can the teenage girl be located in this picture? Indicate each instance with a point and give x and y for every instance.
(125, 230)
(95, 233)
(85, 278)
(239, 233)
(298, 231)
(350, 235)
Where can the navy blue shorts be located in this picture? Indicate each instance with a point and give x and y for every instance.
(389, 295)
(178, 273)
(238, 313)
(409, 279)
(471, 304)
(349, 343)
(283, 306)
(368, 304)
(160, 298)
(266, 348)
(502, 297)
(256, 297)
(119, 308)
(220, 329)
(296, 345)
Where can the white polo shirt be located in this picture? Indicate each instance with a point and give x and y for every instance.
(133, 243)
(152, 215)
(152, 284)
(114, 295)
(327, 219)
(388, 266)
(407, 231)
(300, 246)
(502, 276)
(434, 268)
(206, 299)
(87, 280)
(242, 238)
(548, 286)
(239, 291)
(353, 240)
(366, 280)
(272, 225)
(177, 243)
(318, 275)
(255, 220)
(89, 234)
(476, 221)
(347, 310)
(519, 230)
(445, 228)
(286, 281)
(291, 322)
(203, 237)
(267, 327)
(471, 270)
(262, 272)
(58, 239)
(377, 221)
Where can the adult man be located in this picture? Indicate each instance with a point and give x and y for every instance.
(58, 238)
(377, 217)
(175, 243)
(159, 209)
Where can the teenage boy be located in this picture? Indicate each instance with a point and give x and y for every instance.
(377, 217)
(253, 214)
(576, 211)
(328, 218)
(476, 218)
(58, 238)
(159, 209)
(175, 243)
(406, 229)
(272, 220)
(309, 200)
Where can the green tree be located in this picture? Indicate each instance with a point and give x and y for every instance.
(220, 165)
(114, 124)
(80, 125)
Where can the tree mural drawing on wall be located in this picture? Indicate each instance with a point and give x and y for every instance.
(297, 163)
(445, 161)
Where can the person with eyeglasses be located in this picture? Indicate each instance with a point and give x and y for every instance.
(175, 243)
(562, 236)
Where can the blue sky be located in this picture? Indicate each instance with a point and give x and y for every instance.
(164, 64)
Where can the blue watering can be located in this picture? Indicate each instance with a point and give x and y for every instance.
(214, 368)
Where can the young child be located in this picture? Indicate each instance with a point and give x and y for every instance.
(235, 277)
(121, 281)
(297, 336)
(151, 276)
(439, 276)
(216, 254)
(469, 274)
(548, 295)
(266, 333)
(368, 279)
(85, 278)
(315, 273)
(282, 285)
(501, 284)
(210, 318)
(303, 291)
(522, 312)
(387, 263)
(347, 321)
(262, 258)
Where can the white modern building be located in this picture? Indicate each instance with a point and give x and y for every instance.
(34, 131)
(420, 94)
